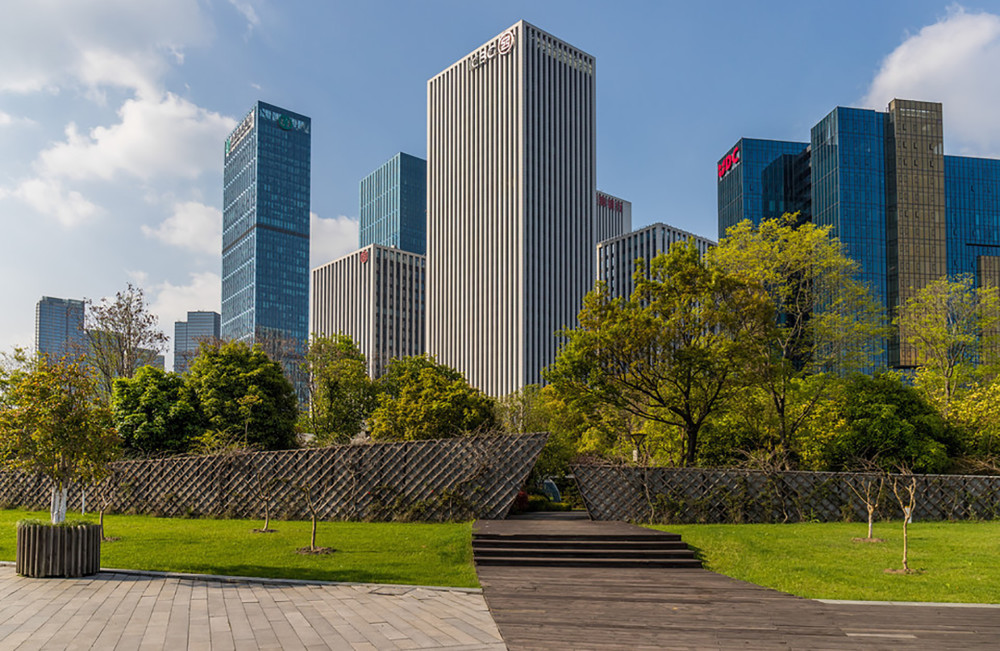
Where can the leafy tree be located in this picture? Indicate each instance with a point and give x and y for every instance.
(977, 414)
(243, 395)
(668, 354)
(426, 400)
(154, 413)
(826, 320)
(341, 396)
(889, 424)
(52, 423)
(953, 327)
(122, 336)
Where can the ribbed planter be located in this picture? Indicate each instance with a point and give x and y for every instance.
(46, 550)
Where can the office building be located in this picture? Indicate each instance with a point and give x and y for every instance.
(59, 327)
(393, 203)
(616, 257)
(265, 235)
(510, 205)
(904, 211)
(376, 296)
(199, 327)
(613, 217)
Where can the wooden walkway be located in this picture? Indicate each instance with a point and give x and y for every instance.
(650, 608)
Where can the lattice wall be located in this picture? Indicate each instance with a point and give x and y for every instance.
(690, 495)
(452, 479)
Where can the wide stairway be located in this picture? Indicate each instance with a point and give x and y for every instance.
(573, 540)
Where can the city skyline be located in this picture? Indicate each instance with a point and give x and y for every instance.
(115, 136)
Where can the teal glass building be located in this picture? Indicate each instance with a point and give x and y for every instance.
(59, 327)
(393, 205)
(265, 227)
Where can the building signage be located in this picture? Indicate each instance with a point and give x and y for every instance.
(615, 205)
(731, 160)
(240, 133)
(364, 257)
(284, 122)
(501, 45)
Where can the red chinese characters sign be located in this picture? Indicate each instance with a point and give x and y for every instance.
(615, 205)
(731, 160)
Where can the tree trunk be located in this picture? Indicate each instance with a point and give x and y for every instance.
(312, 544)
(691, 433)
(871, 518)
(58, 507)
(906, 540)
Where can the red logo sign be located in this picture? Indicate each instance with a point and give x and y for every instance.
(364, 257)
(615, 205)
(506, 42)
(731, 160)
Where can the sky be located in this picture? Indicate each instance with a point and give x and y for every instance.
(113, 113)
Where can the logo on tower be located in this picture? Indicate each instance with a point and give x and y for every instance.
(506, 42)
(364, 257)
(285, 123)
(501, 45)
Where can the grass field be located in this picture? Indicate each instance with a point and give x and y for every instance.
(410, 553)
(960, 561)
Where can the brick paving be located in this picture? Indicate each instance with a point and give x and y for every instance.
(127, 611)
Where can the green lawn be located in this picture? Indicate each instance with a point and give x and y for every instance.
(960, 560)
(410, 553)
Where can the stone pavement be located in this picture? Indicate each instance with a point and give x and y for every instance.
(128, 611)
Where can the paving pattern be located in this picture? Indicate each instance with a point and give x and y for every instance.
(126, 611)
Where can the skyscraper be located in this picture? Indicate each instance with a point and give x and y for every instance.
(612, 217)
(616, 256)
(510, 205)
(199, 327)
(59, 327)
(265, 236)
(393, 202)
(376, 296)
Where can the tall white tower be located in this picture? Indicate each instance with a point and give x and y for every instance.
(510, 205)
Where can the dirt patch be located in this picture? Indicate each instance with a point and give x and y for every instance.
(909, 571)
(868, 540)
(317, 550)
(265, 531)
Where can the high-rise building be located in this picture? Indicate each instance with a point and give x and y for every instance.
(616, 257)
(59, 327)
(905, 212)
(510, 205)
(199, 327)
(265, 227)
(375, 295)
(613, 217)
(393, 202)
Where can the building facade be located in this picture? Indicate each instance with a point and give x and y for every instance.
(393, 205)
(199, 327)
(510, 205)
(613, 216)
(376, 296)
(905, 212)
(59, 327)
(265, 230)
(616, 257)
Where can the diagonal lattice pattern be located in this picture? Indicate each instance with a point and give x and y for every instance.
(696, 495)
(441, 480)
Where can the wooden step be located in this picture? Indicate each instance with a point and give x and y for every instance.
(584, 562)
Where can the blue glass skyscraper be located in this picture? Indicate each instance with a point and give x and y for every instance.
(265, 222)
(59, 327)
(393, 202)
(188, 335)
(762, 179)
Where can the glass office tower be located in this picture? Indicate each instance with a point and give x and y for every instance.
(972, 210)
(393, 202)
(59, 327)
(265, 236)
(199, 327)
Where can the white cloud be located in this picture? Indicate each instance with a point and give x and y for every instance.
(49, 44)
(248, 12)
(160, 136)
(953, 61)
(193, 225)
(329, 239)
(48, 197)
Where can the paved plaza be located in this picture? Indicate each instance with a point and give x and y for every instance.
(129, 611)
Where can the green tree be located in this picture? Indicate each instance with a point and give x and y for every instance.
(668, 354)
(243, 396)
(341, 395)
(52, 423)
(122, 336)
(422, 399)
(826, 321)
(153, 412)
(953, 327)
(889, 424)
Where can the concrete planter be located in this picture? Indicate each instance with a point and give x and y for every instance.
(67, 551)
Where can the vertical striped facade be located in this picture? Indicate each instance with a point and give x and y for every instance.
(616, 257)
(613, 216)
(510, 205)
(375, 295)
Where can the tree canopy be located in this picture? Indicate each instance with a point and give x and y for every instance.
(155, 413)
(341, 396)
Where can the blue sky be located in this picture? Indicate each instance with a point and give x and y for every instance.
(113, 113)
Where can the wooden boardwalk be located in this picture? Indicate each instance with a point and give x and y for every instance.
(651, 608)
